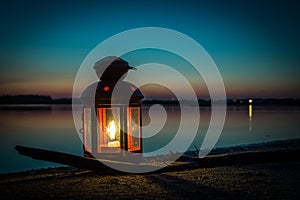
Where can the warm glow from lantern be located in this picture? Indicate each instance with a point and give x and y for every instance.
(111, 130)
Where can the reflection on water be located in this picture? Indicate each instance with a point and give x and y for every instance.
(52, 127)
(49, 128)
(250, 117)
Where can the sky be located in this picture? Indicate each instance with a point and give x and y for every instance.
(255, 44)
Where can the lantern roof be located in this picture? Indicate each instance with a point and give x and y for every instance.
(102, 92)
(112, 61)
(111, 68)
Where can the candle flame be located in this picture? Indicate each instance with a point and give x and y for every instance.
(111, 130)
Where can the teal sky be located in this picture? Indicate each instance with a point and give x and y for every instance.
(255, 44)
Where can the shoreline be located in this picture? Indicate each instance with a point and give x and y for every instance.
(275, 179)
(276, 145)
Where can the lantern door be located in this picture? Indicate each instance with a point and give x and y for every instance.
(134, 129)
(87, 129)
(109, 130)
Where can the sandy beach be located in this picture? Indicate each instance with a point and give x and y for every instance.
(256, 180)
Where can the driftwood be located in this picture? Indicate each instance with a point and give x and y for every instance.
(65, 158)
(183, 163)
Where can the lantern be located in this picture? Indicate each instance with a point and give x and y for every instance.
(111, 127)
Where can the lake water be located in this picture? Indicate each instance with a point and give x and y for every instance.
(52, 127)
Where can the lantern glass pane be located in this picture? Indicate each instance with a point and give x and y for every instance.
(87, 132)
(109, 132)
(133, 128)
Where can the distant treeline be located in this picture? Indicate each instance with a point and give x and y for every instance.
(32, 99)
(40, 99)
(236, 102)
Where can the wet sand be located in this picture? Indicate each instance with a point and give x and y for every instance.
(271, 180)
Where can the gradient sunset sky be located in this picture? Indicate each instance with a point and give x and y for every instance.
(255, 44)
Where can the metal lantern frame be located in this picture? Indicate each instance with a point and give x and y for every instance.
(98, 117)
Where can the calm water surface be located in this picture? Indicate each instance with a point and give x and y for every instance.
(52, 127)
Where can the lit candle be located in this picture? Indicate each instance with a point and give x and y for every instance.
(111, 132)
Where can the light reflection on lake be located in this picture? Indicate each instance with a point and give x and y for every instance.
(52, 127)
